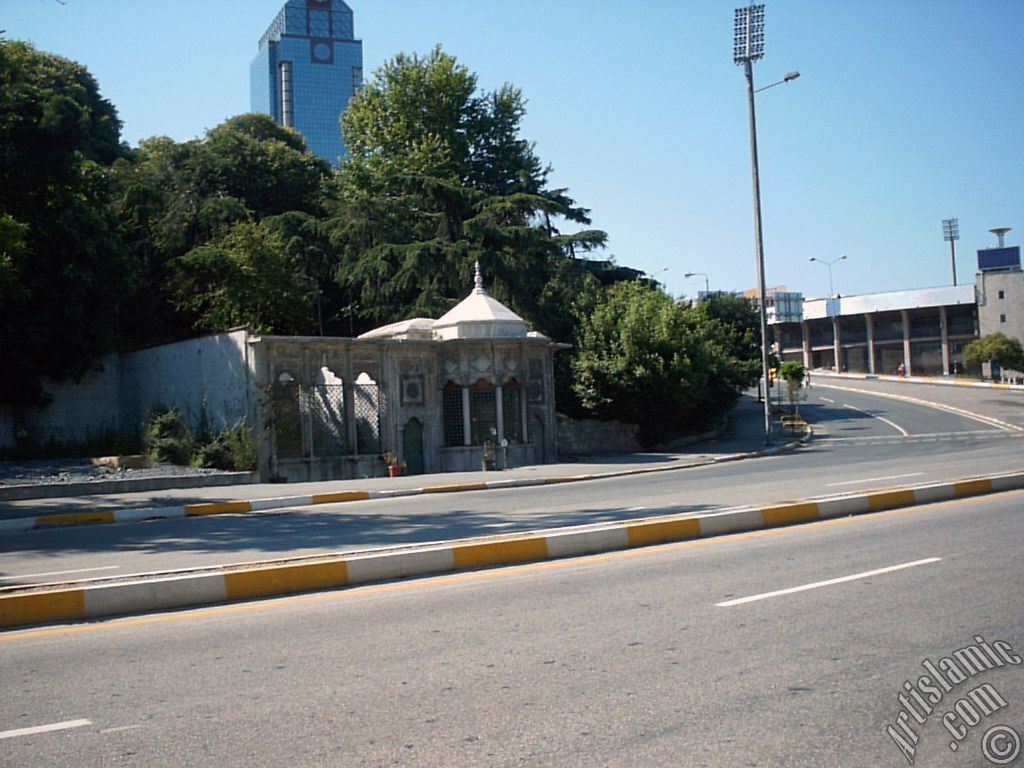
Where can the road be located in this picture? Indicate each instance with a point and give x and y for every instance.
(862, 441)
(623, 659)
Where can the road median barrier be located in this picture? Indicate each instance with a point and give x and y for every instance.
(243, 506)
(101, 598)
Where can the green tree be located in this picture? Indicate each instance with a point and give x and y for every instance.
(995, 346)
(245, 277)
(438, 177)
(64, 268)
(177, 198)
(642, 358)
(792, 373)
(425, 116)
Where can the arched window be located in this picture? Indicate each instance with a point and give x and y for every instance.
(286, 409)
(366, 402)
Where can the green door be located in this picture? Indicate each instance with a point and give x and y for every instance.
(412, 446)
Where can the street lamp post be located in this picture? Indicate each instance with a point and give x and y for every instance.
(827, 263)
(951, 233)
(707, 284)
(748, 47)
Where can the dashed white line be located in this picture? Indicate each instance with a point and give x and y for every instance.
(827, 400)
(120, 728)
(892, 424)
(44, 728)
(829, 582)
(57, 573)
(873, 479)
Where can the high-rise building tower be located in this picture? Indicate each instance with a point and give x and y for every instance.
(308, 66)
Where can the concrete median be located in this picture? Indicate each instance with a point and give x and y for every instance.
(61, 603)
(244, 506)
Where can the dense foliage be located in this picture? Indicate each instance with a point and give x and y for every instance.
(106, 247)
(996, 346)
(645, 359)
(64, 266)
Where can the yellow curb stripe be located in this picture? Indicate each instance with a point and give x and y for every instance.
(658, 533)
(553, 480)
(972, 487)
(790, 513)
(285, 579)
(891, 499)
(17, 610)
(217, 508)
(334, 498)
(75, 518)
(454, 488)
(499, 553)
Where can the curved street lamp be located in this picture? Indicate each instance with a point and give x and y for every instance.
(829, 264)
(707, 284)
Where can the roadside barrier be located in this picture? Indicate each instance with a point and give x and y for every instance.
(59, 603)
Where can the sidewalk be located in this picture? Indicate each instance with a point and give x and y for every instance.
(743, 435)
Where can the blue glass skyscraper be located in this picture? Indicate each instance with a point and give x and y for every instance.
(308, 66)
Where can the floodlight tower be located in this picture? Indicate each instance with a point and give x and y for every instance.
(951, 233)
(748, 47)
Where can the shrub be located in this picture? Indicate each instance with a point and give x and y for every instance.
(233, 448)
(167, 438)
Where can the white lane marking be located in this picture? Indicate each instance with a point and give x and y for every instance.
(827, 400)
(635, 509)
(873, 479)
(892, 424)
(986, 420)
(990, 433)
(44, 728)
(829, 582)
(58, 573)
(120, 728)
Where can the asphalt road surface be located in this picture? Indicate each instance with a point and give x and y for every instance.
(862, 442)
(787, 647)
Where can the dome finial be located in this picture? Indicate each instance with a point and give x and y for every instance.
(478, 279)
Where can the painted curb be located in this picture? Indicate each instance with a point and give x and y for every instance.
(284, 578)
(139, 514)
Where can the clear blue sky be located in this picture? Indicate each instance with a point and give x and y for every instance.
(906, 113)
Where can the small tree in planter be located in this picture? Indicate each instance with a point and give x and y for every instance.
(793, 374)
(396, 467)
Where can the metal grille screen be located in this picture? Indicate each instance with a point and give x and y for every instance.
(512, 412)
(367, 412)
(286, 404)
(327, 420)
(454, 434)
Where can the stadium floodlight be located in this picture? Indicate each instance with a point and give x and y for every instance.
(748, 47)
(748, 34)
(951, 233)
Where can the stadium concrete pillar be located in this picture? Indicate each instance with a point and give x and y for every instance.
(837, 348)
(869, 321)
(906, 342)
(944, 330)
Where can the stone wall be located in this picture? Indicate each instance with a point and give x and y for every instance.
(210, 372)
(116, 394)
(586, 437)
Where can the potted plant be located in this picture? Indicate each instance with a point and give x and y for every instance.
(396, 467)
